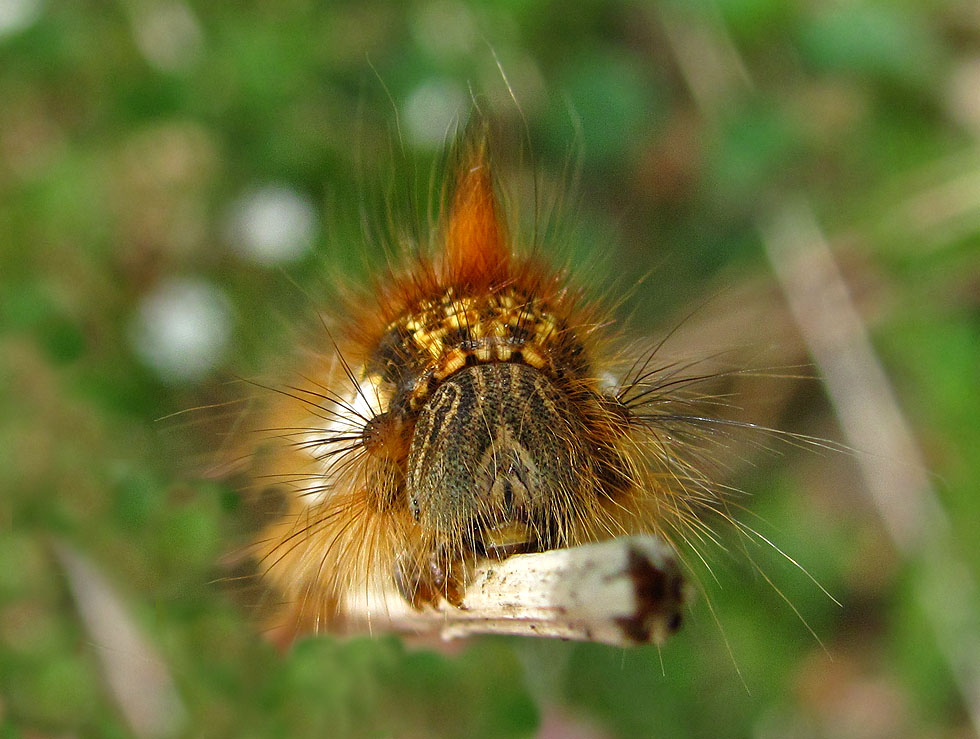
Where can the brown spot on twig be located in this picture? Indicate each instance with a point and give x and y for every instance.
(660, 596)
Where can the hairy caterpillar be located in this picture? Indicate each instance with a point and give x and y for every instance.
(473, 404)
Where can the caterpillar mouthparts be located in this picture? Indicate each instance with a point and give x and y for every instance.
(474, 406)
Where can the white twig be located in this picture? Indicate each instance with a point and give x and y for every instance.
(622, 592)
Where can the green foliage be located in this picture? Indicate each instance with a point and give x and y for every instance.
(124, 149)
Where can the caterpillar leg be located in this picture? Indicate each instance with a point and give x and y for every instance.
(424, 581)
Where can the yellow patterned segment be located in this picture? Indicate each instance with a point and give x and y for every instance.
(445, 334)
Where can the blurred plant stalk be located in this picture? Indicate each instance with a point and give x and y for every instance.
(135, 673)
(890, 461)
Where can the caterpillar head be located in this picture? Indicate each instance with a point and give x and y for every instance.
(495, 457)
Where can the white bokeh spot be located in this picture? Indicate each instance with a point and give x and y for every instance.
(168, 34)
(431, 112)
(181, 329)
(272, 225)
(16, 15)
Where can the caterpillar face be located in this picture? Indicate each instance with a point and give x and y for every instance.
(468, 408)
(494, 457)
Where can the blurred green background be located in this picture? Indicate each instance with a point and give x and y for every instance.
(178, 178)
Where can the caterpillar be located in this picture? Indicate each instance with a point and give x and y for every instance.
(474, 402)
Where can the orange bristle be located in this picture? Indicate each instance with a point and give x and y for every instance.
(476, 242)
